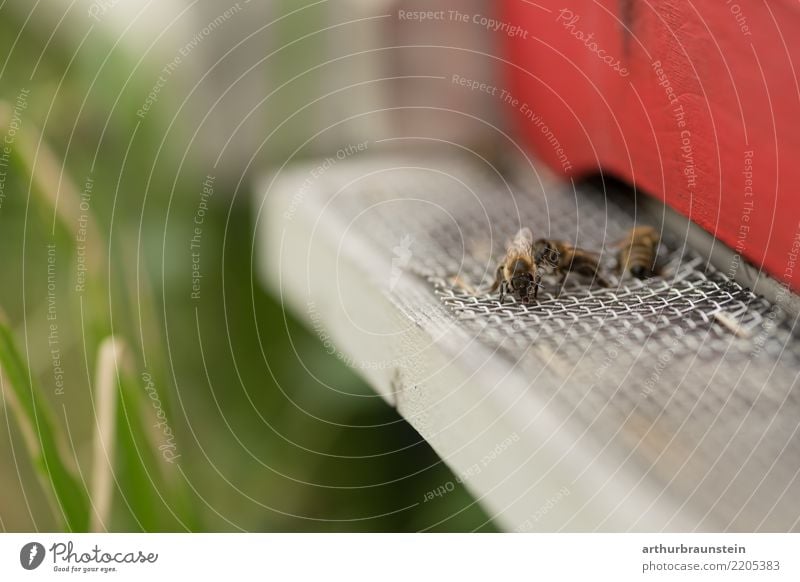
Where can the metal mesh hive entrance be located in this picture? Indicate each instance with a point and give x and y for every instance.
(688, 373)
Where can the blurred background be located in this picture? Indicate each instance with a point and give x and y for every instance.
(134, 134)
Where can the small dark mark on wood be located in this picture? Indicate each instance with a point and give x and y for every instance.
(627, 14)
(395, 388)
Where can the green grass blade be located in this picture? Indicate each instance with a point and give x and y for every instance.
(42, 437)
(138, 476)
(155, 502)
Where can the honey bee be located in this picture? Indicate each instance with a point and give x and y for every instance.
(638, 251)
(517, 274)
(561, 257)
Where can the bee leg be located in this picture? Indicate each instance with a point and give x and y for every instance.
(562, 279)
(601, 278)
(498, 279)
(503, 290)
(593, 272)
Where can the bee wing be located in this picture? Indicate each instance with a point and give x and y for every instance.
(522, 242)
(525, 235)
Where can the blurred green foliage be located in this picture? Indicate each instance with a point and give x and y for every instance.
(261, 444)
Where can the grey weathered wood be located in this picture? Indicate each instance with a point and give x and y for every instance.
(529, 400)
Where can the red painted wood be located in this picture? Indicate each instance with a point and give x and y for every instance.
(695, 102)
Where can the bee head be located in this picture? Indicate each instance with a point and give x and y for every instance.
(521, 280)
(523, 284)
(546, 253)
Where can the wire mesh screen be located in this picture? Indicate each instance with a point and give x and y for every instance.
(687, 374)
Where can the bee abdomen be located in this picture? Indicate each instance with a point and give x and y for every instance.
(639, 261)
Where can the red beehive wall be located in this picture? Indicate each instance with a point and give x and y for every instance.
(697, 103)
